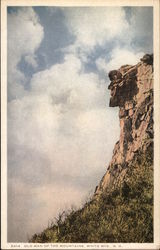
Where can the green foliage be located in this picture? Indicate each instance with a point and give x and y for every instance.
(124, 214)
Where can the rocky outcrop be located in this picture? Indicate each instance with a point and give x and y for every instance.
(132, 90)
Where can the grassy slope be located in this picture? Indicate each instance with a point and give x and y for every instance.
(121, 215)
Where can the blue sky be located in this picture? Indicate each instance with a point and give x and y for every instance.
(61, 131)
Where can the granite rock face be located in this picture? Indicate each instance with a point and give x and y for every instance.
(132, 90)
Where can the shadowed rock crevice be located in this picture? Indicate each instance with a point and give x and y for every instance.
(123, 86)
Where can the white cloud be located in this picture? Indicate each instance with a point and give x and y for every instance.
(24, 36)
(59, 130)
(119, 57)
(100, 26)
(31, 59)
(101, 64)
(95, 26)
(62, 114)
(123, 56)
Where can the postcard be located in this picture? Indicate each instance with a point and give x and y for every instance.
(80, 109)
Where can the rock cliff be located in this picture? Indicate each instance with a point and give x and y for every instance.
(132, 90)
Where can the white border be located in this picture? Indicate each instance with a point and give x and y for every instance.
(156, 5)
(79, 2)
(156, 43)
(3, 126)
